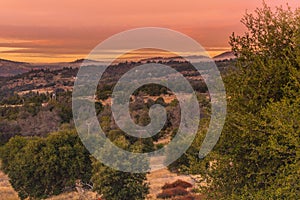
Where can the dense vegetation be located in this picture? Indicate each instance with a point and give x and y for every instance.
(40, 167)
(36, 115)
(257, 156)
(117, 185)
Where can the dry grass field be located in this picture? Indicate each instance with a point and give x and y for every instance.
(6, 191)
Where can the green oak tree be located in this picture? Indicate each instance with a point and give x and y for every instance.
(258, 154)
(41, 167)
(118, 185)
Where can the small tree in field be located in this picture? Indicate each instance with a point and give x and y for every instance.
(118, 185)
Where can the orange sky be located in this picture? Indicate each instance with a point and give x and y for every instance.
(65, 30)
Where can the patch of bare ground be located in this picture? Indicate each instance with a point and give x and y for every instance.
(76, 196)
(157, 179)
(6, 191)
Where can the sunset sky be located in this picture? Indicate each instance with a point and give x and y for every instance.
(66, 30)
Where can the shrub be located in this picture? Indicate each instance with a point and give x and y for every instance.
(178, 183)
(172, 192)
(118, 185)
(40, 167)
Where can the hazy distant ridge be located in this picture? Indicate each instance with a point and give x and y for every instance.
(11, 68)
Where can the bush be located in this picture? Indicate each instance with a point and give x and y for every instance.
(118, 185)
(172, 192)
(178, 183)
(258, 152)
(41, 167)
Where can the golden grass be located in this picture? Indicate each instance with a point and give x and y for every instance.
(75, 196)
(6, 191)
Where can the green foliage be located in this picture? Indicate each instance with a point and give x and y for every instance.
(258, 155)
(152, 90)
(266, 54)
(11, 100)
(40, 167)
(189, 162)
(63, 105)
(9, 152)
(270, 34)
(34, 98)
(98, 107)
(9, 113)
(104, 91)
(118, 185)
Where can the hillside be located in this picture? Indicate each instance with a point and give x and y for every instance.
(11, 68)
(225, 56)
(38, 102)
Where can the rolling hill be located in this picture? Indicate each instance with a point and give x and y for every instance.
(11, 68)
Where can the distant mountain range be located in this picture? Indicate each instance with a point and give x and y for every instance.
(193, 58)
(228, 55)
(11, 68)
